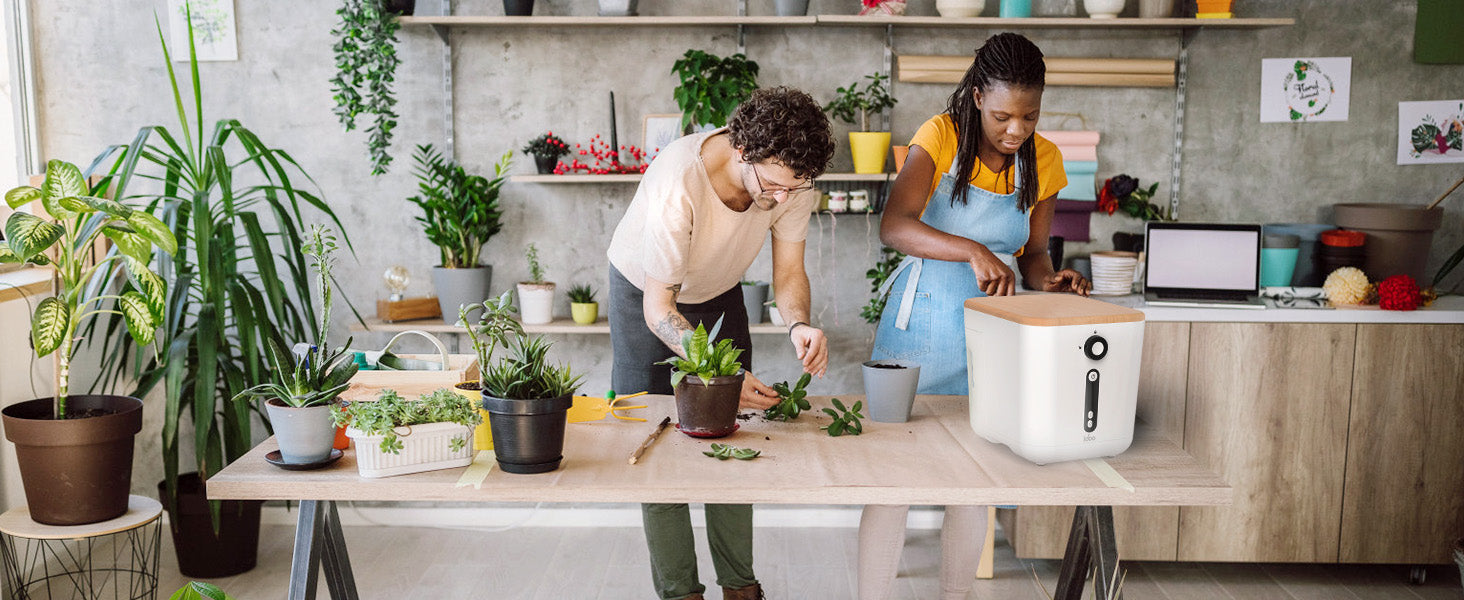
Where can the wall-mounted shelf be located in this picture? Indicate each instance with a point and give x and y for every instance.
(845, 21)
(825, 178)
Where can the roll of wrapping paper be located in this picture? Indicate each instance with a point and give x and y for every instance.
(1110, 72)
(1075, 145)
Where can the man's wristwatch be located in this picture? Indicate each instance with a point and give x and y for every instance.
(795, 326)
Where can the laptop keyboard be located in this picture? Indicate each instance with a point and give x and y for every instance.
(1216, 296)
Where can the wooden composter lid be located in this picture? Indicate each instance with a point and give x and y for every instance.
(1053, 310)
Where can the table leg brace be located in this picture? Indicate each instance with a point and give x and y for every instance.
(1090, 546)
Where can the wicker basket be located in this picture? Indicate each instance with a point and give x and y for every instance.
(425, 447)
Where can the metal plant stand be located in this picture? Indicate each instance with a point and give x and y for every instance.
(112, 559)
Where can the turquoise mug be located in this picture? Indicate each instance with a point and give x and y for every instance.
(1016, 9)
(1277, 266)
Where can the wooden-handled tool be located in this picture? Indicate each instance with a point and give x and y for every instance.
(650, 439)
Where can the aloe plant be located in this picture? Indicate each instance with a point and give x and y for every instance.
(704, 359)
(238, 281)
(86, 288)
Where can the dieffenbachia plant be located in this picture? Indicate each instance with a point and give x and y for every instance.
(86, 286)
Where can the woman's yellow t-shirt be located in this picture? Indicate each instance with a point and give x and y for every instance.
(938, 137)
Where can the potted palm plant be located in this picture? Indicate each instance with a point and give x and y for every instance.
(307, 387)
(230, 197)
(851, 103)
(75, 452)
(527, 398)
(459, 215)
(536, 296)
(546, 150)
(582, 305)
(396, 436)
(706, 404)
(711, 87)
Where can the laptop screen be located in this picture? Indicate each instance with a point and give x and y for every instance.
(1201, 256)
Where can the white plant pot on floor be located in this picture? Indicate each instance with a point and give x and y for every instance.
(426, 447)
(536, 303)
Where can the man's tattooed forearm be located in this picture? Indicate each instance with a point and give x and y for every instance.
(670, 328)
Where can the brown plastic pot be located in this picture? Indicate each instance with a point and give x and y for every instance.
(79, 470)
(1399, 237)
(708, 410)
(202, 553)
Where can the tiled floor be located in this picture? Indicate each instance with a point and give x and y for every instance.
(795, 564)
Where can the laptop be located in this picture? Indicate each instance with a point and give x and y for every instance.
(1214, 265)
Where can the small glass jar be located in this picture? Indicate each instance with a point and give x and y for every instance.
(838, 202)
(859, 201)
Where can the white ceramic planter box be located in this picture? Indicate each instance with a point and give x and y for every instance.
(425, 448)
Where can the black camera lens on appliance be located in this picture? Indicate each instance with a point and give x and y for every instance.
(1096, 347)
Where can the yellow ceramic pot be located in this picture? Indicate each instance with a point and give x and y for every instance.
(482, 435)
(585, 313)
(869, 149)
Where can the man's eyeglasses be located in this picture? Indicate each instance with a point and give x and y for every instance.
(773, 189)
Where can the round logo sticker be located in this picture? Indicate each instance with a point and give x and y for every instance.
(1309, 91)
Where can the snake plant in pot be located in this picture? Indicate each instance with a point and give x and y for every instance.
(235, 205)
(459, 215)
(526, 397)
(75, 451)
(708, 382)
(307, 384)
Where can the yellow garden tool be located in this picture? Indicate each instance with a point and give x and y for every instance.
(590, 408)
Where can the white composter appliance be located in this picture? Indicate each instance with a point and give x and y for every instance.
(1054, 377)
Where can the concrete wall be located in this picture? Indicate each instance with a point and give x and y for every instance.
(102, 77)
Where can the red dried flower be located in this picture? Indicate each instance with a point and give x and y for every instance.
(1399, 292)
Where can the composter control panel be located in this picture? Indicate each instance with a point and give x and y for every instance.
(1090, 403)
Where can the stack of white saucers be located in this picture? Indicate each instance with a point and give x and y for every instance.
(1113, 272)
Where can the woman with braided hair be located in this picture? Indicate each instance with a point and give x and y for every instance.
(974, 197)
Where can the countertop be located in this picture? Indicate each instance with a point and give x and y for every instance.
(1447, 309)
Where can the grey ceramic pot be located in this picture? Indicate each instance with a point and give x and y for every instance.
(791, 8)
(753, 297)
(456, 287)
(889, 389)
(305, 434)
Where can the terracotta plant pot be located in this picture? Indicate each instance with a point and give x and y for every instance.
(1399, 237)
(900, 153)
(78, 470)
(708, 410)
(529, 434)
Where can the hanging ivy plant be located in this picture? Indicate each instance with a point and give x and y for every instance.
(366, 62)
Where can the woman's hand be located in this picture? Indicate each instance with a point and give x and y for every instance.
(992, 276)
(1067, 280)
(756, 394)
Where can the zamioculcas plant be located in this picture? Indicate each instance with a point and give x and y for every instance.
(459, 211)
(846, 419)
(86, 287)
(711, 87)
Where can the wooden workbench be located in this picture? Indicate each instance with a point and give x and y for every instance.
(935, 458)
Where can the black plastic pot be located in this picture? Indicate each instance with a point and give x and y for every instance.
(76, 470)
(528, 435)
(202, 553)
(708, 410)
(518, 8)
(545, 164)
(400, 7)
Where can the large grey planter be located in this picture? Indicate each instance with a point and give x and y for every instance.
(753, 298)
(791, 8)
(456, 287)
(889, 392)
(305, 434)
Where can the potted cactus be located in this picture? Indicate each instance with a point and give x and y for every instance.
(708, 383)
(75, 451)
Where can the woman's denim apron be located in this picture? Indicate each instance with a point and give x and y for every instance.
(924, 320)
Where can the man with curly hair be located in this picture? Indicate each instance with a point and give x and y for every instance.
(698, 220)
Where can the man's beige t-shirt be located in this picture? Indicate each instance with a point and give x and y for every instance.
(678, 231)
